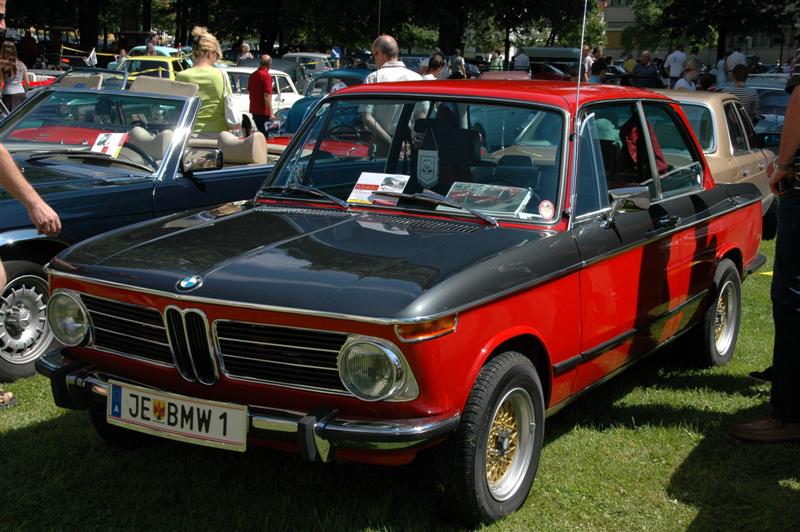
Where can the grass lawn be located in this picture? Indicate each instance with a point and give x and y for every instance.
(649, 450)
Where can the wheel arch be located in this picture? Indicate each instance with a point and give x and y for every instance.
(734, 254)
(528, 342)
(38, 250)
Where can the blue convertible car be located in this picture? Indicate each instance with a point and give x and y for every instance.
(103, 160)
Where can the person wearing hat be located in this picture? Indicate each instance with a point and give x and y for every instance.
(690, 74)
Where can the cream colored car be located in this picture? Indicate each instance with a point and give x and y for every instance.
(726, 134)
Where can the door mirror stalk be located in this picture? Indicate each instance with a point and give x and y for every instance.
(629, 198)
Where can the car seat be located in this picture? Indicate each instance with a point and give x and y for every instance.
(251, 150)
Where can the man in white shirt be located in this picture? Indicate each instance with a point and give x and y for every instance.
(383, 122)
(736, 58)
(675, 63)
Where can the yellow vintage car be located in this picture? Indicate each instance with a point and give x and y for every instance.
(156, 66)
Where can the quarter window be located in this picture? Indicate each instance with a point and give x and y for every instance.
(738, 139)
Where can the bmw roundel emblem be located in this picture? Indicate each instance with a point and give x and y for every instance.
(190, 283)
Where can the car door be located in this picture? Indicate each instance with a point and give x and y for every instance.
(749, 162)
(754, 169)
(632, 261)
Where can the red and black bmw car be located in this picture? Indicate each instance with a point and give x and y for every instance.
(474, 259)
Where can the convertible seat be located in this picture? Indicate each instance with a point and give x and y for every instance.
(153, 145)
(251, 150)
(163, 86)
(81, 82)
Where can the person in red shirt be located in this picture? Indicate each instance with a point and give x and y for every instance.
(260, 89)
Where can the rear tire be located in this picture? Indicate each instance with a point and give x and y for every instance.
(24, 333)
(717, 333)
(485, 471)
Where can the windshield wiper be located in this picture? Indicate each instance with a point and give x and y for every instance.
(84, 154)
(428, 196)
(314, 191)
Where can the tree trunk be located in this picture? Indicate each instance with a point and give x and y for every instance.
(88, 23)
(723, 36)
(147, 15)
(451, 31)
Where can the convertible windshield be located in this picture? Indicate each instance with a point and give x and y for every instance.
(127, 127)
(500, 160)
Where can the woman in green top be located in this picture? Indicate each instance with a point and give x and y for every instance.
(210, 81)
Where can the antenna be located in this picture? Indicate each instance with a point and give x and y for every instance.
(575, 132)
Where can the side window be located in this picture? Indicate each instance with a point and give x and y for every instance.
(677, 160)
(319, 88)
(284, 85)
(612, 154)
(738, 139)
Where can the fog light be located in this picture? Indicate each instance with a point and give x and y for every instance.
(67, 318)
(370, 370)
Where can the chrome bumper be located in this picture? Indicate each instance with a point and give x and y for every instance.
(74, 385)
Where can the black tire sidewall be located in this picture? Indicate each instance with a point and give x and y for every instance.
(726, 271)
(519, 372)
(15, 269)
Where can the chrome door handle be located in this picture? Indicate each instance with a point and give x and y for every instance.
(744, 173)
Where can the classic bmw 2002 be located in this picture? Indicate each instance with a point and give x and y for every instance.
(440, 272)
(102, 159)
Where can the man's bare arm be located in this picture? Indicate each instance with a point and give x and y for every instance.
(40, 213)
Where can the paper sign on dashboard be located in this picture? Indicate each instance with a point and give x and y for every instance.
(370, 182)
(110, 143)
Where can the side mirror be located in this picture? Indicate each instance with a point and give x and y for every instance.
(201, 159)
(767, 140)
(629, 198)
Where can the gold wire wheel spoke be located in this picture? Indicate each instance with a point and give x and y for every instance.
(502, 444)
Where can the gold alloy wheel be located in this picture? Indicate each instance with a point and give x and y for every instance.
(509, 443)
(725, 317)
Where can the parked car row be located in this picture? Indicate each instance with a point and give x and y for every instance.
(445, 288)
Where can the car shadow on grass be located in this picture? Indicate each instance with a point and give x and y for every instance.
(732, 485)
(61, 474)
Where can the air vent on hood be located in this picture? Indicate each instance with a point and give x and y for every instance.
(305, 211)
(422, 223)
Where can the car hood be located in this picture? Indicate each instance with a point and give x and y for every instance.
(324, 260)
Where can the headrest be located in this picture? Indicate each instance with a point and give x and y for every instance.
(163, 86)
(455, 145)
(515, 160)
(251, 150)
(81, 82)
(153, 145)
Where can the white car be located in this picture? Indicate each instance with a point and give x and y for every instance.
(284, 92)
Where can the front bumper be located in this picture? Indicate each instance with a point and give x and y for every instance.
(76, 384)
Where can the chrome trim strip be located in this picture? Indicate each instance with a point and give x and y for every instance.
(278, 345)
(124, 319)
(262, 361)
(209, 344)
(138, 338)
(172, 348)
(288, 386)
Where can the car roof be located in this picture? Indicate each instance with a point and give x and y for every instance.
(163, 49)
(250, 70)
(555, 93)
(306, 54)
(345, 72)
(711, 97)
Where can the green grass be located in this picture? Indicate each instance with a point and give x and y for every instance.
(649, 450)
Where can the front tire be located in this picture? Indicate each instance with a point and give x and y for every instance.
(488, 467)
(24, 333)
(718, 331)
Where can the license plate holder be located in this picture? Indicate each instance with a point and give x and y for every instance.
(177, 417)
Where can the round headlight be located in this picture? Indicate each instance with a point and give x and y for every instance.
(369, 370)
(67, 318)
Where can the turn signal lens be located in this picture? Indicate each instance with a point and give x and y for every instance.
(417, 332)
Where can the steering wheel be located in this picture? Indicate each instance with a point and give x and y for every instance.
(141, 153)
(345, 129)
(139, 123)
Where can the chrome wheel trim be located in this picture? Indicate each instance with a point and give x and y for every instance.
(725, 317)
(24, 333)
(509, 444)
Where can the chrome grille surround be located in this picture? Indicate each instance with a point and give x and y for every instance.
(273, 355)
(192, 351)
(150, 345)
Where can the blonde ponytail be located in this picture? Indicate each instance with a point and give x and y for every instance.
(204, 43)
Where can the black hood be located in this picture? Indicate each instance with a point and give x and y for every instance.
(324, 260)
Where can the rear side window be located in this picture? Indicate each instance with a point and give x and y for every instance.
(738, 139)
(702, 124)
(677, 161)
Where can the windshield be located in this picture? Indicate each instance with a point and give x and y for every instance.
(502, 160)
(139, 67)
(127, 126)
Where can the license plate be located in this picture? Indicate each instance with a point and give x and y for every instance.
(177, 417)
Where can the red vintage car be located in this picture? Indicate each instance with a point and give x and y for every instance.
(475, 260)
